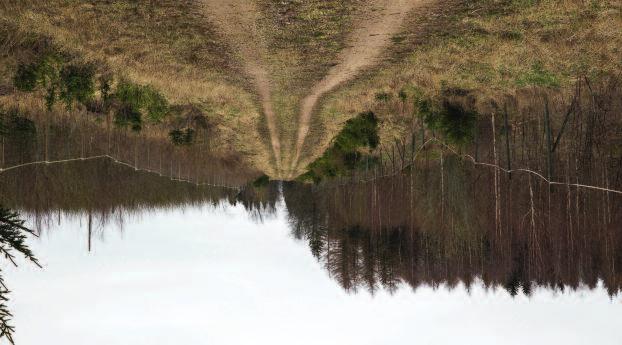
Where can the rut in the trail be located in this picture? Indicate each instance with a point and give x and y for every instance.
(237, 20)
(373, 29)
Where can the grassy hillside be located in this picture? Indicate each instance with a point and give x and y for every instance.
(481, 54)
(488, 53)
(167, 45)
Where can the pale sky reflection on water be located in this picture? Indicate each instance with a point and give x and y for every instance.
(213, 276)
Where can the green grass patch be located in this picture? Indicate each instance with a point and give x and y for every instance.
(538, 76)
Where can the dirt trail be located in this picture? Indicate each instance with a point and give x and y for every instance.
(237, 20)
(373, 29)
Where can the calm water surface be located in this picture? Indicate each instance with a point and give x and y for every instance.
(212, 275)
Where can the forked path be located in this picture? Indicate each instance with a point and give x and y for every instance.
(373, 29)
(238, 21)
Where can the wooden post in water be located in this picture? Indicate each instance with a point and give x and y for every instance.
(90, 234)
(148, 156)
(47, 135)
(108, 125)
(381, 163)
(2, 161)
(507, 141)
(549, 139)
(392, 159)
(136, 152)
(476, 139)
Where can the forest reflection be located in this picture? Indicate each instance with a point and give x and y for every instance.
(380, 234)
(406, 229)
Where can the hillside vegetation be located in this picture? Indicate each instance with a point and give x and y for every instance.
(274, 82)
(485, 54)
(163, 48)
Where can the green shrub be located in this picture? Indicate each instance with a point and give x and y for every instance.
(26, 77)
(383, 96)
(344, 155)
(360, 131)
(130, 94)
(127, 116)
(156, 105)
(43, 73)
(310, 176)
(77, 84)
(143, 98)
(261, 181)
(68, 83)
(455, 123)
(48, 68)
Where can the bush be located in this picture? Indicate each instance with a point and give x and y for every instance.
(344, 155)
(143, 98)
(456, 124)
(383, 96)
(156, 105)
(360, 131)
(77, 84)
(68, 83)
(262, 181)
(26, 78)
(127, 116)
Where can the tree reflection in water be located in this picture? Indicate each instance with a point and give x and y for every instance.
(405, 230)
(381, 234)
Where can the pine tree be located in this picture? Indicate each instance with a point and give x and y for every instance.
(13, 235)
